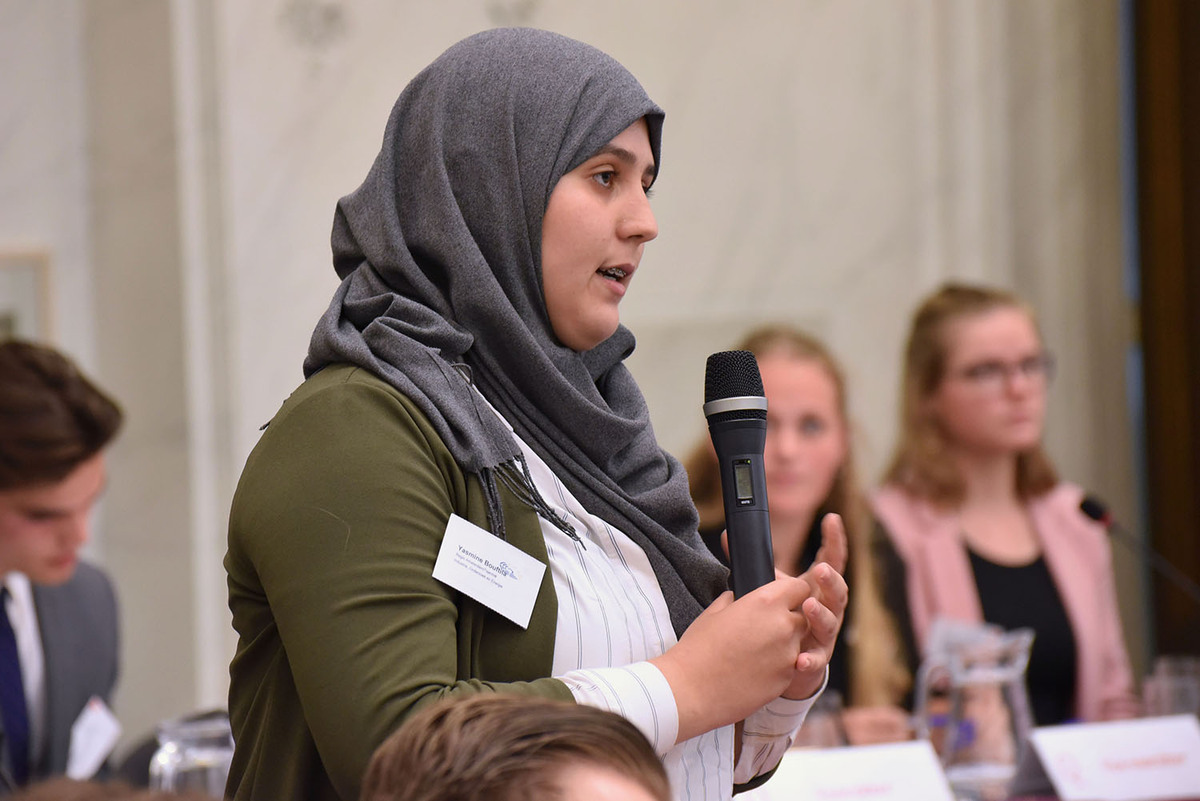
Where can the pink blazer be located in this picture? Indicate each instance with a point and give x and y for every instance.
(1077, 553)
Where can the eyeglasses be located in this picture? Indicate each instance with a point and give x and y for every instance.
(995, 374)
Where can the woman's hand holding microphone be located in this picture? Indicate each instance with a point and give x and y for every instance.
(774, 641)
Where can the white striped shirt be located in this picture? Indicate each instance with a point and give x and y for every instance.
(612, 618)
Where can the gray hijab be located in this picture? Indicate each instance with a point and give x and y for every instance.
(439, 255)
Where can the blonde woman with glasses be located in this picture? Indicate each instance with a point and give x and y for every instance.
(986, 529)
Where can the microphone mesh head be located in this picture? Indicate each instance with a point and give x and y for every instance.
(733, 374)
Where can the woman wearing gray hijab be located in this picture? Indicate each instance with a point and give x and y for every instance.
(466, 495)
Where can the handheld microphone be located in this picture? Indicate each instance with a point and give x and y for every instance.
(1094, 508)
(736, 408)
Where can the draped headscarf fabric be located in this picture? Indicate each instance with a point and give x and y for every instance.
(439, 255)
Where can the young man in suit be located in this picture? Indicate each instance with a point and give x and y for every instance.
(58, 615)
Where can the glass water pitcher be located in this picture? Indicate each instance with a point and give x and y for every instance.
(193, 754)
(971, 703)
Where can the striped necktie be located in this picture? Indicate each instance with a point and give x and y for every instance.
(12, 696)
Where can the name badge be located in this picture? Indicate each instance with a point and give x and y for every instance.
(1151, 759)
(895, 772)
(482, 566)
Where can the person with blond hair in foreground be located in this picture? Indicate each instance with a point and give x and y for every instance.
(505, 748)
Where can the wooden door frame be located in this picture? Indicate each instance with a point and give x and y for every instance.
(1167, 101)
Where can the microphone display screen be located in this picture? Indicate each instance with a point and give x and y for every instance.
(744, 482)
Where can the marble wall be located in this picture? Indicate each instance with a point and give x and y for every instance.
(151, 534)
(43, 159)
(825, 163)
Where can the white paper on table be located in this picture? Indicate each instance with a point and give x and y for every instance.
(1150, 759)
(907, 771)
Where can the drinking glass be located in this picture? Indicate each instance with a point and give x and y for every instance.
(1173, 687)
(193, 755)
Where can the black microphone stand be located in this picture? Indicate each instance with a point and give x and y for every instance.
(1097, 511)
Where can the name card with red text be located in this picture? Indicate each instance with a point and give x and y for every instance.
(896, 772)
(1151, 759)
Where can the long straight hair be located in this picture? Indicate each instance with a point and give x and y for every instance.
(878, 675)
(922, 465)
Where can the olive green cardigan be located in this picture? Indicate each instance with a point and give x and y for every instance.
(343, 631)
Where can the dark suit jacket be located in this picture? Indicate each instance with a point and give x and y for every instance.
(78, 625)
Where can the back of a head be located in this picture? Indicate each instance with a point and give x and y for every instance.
(52, 417)
(506, 748)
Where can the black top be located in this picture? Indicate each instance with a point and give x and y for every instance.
(890, 574)
(1025, 596)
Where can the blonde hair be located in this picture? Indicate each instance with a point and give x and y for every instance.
(878, 675)
(921, 464)
(501, 747)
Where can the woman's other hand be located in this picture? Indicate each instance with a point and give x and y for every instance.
(823, 611)
(737, 655)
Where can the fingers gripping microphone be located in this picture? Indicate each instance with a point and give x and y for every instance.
(736, 409)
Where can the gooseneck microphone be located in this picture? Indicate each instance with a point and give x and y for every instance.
(736, 409)
(1094, 508)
